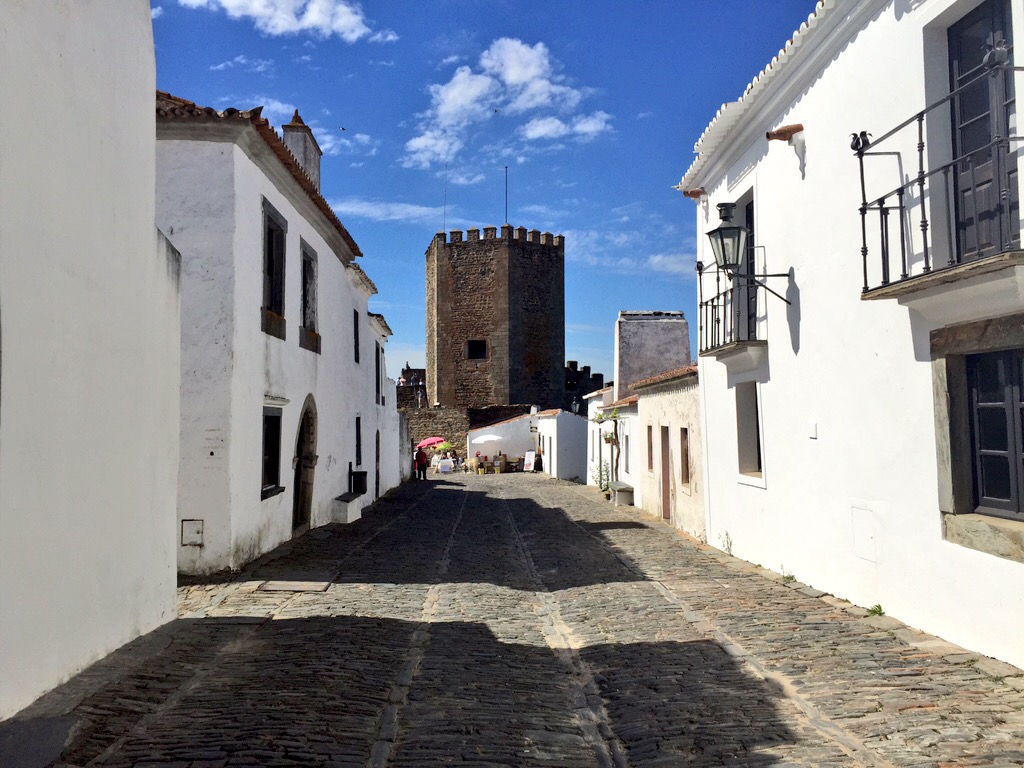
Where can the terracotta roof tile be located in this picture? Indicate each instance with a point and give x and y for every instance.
(675, 373)
(631, 400)
(170, 107)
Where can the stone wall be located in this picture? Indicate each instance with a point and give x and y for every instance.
(449, 423)
(507, 292)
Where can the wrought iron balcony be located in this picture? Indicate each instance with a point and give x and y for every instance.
(963, 203)
(729, 317)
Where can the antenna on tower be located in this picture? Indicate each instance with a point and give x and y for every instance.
(506, 194)
(444, 209)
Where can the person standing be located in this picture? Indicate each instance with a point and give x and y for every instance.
(421, 464)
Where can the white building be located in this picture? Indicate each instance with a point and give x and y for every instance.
(867, 436)
(669, 483)
(279, 351)
(89, 306)
(647, 343)
(562, 437)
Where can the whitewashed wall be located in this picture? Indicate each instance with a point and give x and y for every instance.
(89, 307)
(597, 449)
(848, 498)
(515, 434)
(674, 405)
(566, 434)
(233, 367)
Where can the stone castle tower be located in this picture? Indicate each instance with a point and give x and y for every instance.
(496, 318)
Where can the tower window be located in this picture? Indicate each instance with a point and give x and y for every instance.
(476, 349)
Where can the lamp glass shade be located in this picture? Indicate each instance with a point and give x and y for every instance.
(729, 244)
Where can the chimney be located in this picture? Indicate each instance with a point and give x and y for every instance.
(298, 137)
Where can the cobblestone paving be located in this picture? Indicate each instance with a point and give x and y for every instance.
(514, 620)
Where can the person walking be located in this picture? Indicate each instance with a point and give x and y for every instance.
(421, 464)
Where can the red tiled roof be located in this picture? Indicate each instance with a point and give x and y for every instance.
(170, 107)
(550, 412)
(631, 400)
(661, 378)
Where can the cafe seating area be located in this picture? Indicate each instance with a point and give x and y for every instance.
(496, 465)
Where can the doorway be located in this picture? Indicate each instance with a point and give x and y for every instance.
(985, 174)
(376, 469)
(304, 465)
(666, 477)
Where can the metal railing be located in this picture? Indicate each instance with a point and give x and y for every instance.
(947, 190)
(729, 315)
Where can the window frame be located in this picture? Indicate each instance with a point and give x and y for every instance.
(275, 259)
(684, 457)
(270, 484)
(309, 336)
(359, 440)
(481, 349)
(749, 447)
(355, 333)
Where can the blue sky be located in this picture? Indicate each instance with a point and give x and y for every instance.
(594, 107)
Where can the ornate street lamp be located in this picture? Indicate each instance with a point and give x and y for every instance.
(576, 406)
(728, 240)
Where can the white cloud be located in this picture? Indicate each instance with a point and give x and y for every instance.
(591, 125)
(380, 63)
(465, 98)
(432, 146)
(511, 78)
(378, 210)
(584, 127)
(453, 59)
(644, 115)
(614, 252)
(334, 143)
(324, 18)
(544, 128)
(244, 62)
(384, 36)
(466, 179)
(157, 12)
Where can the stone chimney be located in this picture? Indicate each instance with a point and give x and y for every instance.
(298, 137)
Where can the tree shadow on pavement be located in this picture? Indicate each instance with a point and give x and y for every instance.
(332, 691)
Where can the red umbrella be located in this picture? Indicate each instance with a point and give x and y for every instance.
(429, 442)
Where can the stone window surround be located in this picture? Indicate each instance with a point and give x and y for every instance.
(272, 489)
(309, 337)
(949, 349)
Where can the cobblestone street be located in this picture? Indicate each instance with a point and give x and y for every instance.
(514, 620)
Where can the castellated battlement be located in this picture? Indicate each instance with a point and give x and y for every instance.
(495, 317)
(508, 233)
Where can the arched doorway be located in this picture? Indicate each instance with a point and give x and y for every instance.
(376, 471)
(304, 464)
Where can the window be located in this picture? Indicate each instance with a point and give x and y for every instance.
(985, 179)
(359, 440)
(476, 349)
(355, 332)
(308, 336)
(625, 450)
(748, 429)
(377, 366)
(684, 455)
(650, 448)
(271, 452)
(996, 390)
(274, 229)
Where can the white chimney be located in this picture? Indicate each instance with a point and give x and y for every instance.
(298, 137)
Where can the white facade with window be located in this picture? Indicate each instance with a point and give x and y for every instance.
(279, 351)
(89, 306)
(670, 485)
(865, 437)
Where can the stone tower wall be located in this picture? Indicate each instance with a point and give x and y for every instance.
(509, 291)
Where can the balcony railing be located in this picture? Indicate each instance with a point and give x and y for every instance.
(953, 210)
(729, 315)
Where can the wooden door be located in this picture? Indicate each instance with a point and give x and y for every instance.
(987, 199)
(666, 476)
